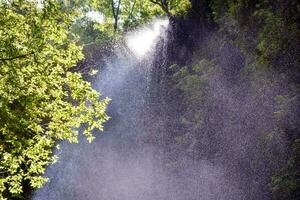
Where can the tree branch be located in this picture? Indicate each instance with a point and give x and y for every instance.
(132, 9)
(163, 4)
(115, 12)
(156, 2)
(16, 57)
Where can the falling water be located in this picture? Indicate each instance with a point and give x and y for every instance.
(143, 40)
(121, 164)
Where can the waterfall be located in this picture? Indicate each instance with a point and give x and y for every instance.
(114, 166)
(126, 161)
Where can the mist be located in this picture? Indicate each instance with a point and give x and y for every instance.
(130, 159)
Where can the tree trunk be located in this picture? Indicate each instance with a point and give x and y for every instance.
(115, 12)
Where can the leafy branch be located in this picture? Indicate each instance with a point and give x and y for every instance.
(16, 57)
(164, 4)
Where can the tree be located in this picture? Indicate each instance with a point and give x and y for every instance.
(115, 7)
(111, 9)
(164, 4)
(122, 14)
(41, 100)
(172, 7)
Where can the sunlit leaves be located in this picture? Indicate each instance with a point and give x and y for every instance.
(41, 100)
(173, 7)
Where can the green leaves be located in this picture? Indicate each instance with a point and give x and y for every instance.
(41, 100)
(192, 80)
(173, 7)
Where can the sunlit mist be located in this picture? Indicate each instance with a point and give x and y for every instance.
(142, 41)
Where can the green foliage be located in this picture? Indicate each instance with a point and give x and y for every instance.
(275, 35)
(127, 15)
(131, 13)
(119, 17)
(286, 183)
(105, 33)
(180, 7)
(269, 28)
(41, 100)
(85, 29)
(173, 7)
(193, 80)
(219, 8)
(269, 41)
(135, 12)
